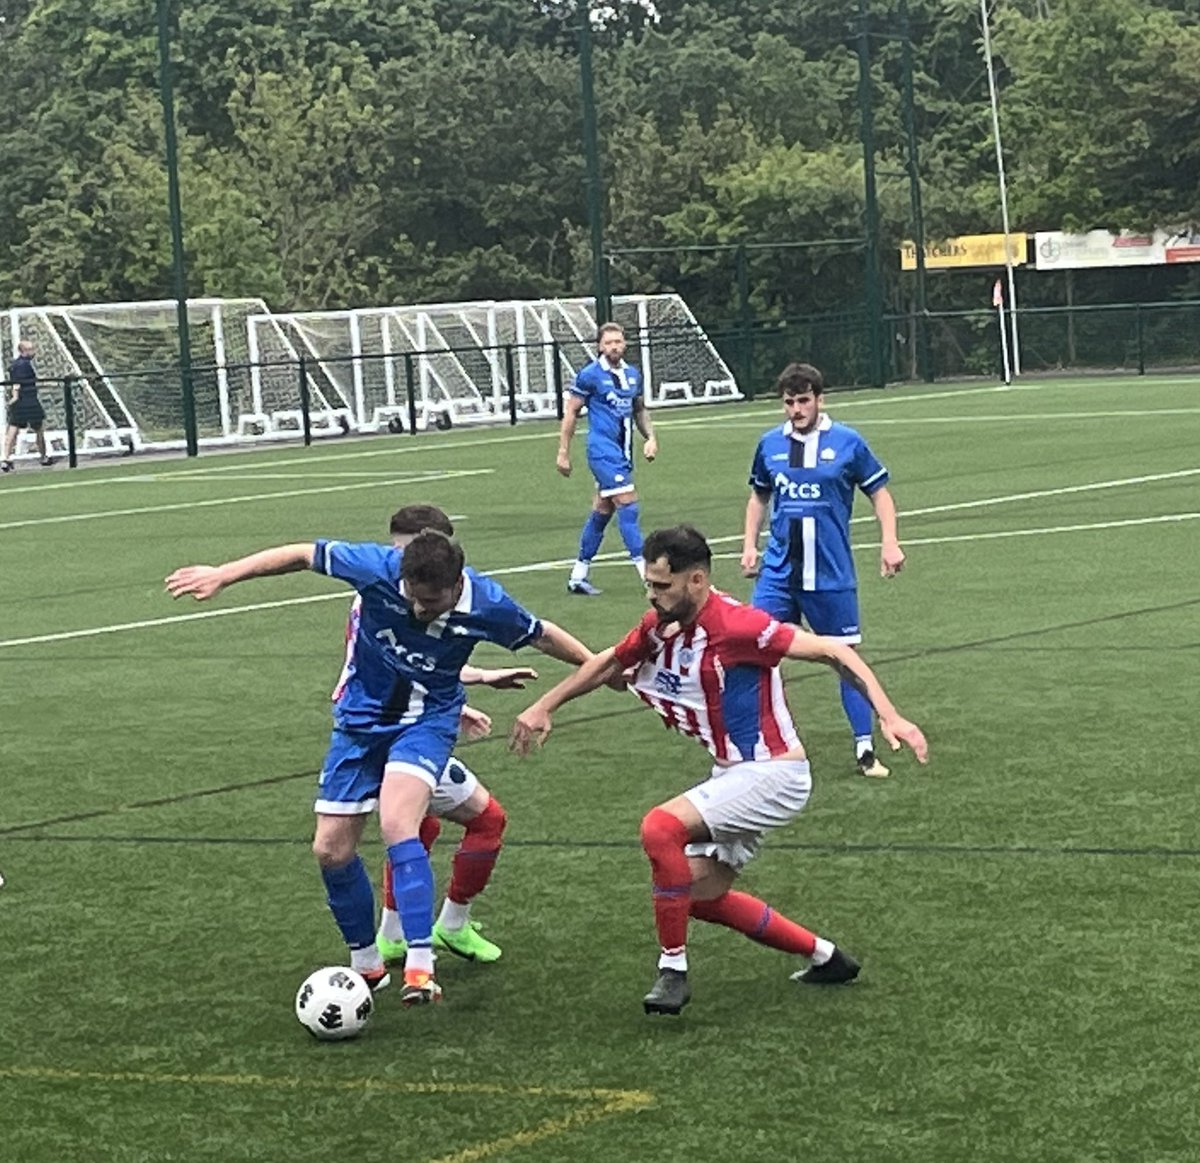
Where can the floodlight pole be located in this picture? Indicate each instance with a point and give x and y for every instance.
(1008, 257)
(167, 97)
(595, 182)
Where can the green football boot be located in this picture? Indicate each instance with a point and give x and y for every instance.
(465, 942)
(390, 950)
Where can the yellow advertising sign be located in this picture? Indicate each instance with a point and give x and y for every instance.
(968, 250)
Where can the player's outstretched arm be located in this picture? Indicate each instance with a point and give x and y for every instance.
(502, 678)
(206, 581)
(557, 643)
(533, 724)
(571, 410)
(891, 556)
(756, 511)
(895, 728)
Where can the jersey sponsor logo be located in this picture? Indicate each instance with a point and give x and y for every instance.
(667, 682)
(414, 658)
(797, 490)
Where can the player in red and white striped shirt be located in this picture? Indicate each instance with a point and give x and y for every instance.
(710, 667)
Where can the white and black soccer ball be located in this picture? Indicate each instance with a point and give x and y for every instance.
(334, 1003)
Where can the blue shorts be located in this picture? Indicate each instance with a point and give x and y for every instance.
(354, 766)
(614, 474)
(832, 613)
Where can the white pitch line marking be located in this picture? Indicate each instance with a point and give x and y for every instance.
(769, 410)
(420, 478)
(543, 566)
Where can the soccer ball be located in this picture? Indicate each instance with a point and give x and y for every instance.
(334, 1003)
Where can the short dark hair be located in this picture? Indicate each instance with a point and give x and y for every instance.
(605, 328)
(432, 559)
(683, 546)
(410, 520)
(798, 378)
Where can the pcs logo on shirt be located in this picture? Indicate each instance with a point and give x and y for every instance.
(667, 682)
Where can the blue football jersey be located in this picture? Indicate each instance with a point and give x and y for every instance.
(811, 480)
(610, 394)
(398, 669)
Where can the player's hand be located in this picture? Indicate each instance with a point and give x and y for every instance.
(891, 560)
(897, 730)
(512, 678)
(650, 448)
(201, 581)
(749, 563)
(563, 464)
(473, 724)
(531, 726)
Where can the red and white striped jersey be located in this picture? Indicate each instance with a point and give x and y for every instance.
(717, 679)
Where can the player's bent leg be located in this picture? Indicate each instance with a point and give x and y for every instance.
(589, 545)
(484, 820)
(628, 516)
(348, 891)
(403, 803)
(390, 937)
(666, 832)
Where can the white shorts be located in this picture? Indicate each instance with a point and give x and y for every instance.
(452, 789)
(740, 804)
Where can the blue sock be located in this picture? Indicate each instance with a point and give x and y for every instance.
(412, 886)
(593, 534)
(858, 710)
(627, 523)
(348, 890)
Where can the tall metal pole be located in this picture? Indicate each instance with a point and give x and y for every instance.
(874, 292)
(167, 97)
(914, 188)
(595, 183)
(1008, 263)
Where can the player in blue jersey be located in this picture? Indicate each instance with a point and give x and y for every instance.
(612, 391)
(396, 715)
(806, 472)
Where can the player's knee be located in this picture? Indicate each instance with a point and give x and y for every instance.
(661, 830)
(489, 825)
(332, 850)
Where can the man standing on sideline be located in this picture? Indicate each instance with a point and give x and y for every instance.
(396, 716)
(710, 667)
(24, 408)
(806, 472)
(612, 391)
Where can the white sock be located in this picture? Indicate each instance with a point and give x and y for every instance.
(639, 563)
(454, 916)
(673, 960)
(366, 958)
(390, 926)
(579, 571)
(863, 743)
(823, 951)
(419, 958)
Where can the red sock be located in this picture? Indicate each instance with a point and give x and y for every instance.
(431, 828)
(664, 838)
(476, 855)
(747, 914)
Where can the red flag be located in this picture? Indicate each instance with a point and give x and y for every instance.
(997, 294)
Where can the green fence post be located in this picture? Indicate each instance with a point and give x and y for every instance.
(745, 323)
(305, 403)
(410, 388)
(1141, 340)
(510, 371)
(558, 381)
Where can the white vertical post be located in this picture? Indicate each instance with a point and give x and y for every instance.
(1008, 263)
(998, 303)
(389, 372)
(356, 369)
(494, 360)
(522, 352)
(643, 319)
(218, 327)
(256, 401)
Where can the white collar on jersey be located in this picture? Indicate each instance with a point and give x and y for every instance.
(462, 606)
(823, 425)
(608, 367)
